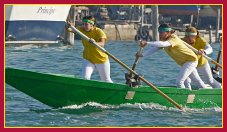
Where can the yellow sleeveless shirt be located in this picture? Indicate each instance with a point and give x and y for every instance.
(200, 43)
(178, 51)
(91, 53)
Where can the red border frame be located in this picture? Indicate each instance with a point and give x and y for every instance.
(94, 2)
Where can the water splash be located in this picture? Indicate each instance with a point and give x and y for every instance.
(26, 47)
(141, 106)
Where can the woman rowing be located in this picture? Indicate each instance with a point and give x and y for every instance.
(179, 52)
(92, 56)
(193, 38)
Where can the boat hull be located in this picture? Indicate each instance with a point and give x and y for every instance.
(63, 90)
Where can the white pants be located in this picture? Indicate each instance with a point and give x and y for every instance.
(103, 70)
(206, 74)
(189, 70)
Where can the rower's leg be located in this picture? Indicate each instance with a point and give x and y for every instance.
(104, 71)
(87, 69)
(206, 74)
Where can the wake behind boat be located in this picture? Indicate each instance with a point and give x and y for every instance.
(64, 90)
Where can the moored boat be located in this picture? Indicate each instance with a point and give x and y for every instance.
(64, 90)
(35, 24)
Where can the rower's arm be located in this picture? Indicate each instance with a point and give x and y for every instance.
(208, 49)
(160, 44)
(150, 51)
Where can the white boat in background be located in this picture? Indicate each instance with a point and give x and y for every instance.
(35, 24)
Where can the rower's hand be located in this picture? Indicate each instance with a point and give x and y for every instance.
(139, 54)
(91, 40)
(68, 26)
(215, 72)
(143, 43)
(201, 51)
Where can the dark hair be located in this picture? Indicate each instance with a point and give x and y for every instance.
(90, 18)
(166, 25)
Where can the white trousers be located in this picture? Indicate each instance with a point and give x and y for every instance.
(189, 70)
(103, 70)
(206, 74)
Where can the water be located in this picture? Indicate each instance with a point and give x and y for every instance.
(24, 111)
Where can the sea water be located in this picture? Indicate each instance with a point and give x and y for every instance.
(24, 111)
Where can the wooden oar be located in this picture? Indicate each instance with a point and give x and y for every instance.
(218, 58)
(126, 67)
(205, 56)
(216, 68)
(134, 81)
(136, 61)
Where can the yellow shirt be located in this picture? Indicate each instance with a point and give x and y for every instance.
(92, 53)
(178, 51)
(200, 43)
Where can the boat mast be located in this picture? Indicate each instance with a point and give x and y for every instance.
(155, 22)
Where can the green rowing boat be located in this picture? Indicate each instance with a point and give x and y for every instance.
(64, 90)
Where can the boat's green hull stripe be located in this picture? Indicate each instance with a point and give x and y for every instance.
(61, 90)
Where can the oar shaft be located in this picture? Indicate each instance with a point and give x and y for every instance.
(161, 93)
(87, 38)
(136, 61)
(218, 59)
(205, 56)
(219, 56)
(137, 58)
(129, 69)
(147, 82)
